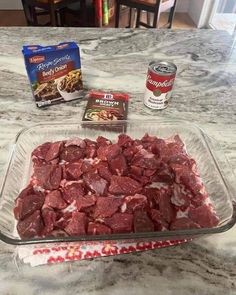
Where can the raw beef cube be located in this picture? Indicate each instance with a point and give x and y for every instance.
(31, 226)
(63, 219)
(120, 222)
(87, 166)
(73, 171)
(103, 141)
(187, 177)
(49, 219)
(142, 223)
(71, 153)
(152, 194)
(181, 159)
(108, 152)
(54, 200)
(85, 202)
(53, 151)
(204, 216)
(77, 224)
(107, 206)
(199, 199)
(48, 176)
(90, 152)
(27, 204)
(166, 208)
(180, 196)
(132, 203)
(163, 174)
(124, 185)
(148, 138)
(149, 172)
(145, 159)
(41, 151)
(135, 170)
(59, 233)
(159, 221)
(98, 229)
(118, 165)
(183, 223)
(130, 152)
(76, 142)
(29, 190)
(124, 140)
(73, 191)
(103, 170)
(157, 146)
(95, 183)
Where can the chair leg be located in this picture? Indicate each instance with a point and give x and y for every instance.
(138, 18)
(148, 14)
(117, 19)
(52, 14)
(34, 16)
(171, 15)
(130, 17)
(84, 12)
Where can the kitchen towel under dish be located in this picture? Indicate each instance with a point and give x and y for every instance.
(57, 253)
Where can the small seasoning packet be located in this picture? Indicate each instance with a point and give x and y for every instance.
(106, 106)
(54, 72)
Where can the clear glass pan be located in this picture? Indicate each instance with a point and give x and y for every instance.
(211, 163)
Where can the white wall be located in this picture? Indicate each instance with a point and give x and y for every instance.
(195, 10)
(182, 5)
(10, 4)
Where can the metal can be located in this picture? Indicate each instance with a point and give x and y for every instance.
(159, 84)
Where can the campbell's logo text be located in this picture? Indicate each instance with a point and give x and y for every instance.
(36, 59)
(161, 84)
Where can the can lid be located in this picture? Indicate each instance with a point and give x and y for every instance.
(163, 67)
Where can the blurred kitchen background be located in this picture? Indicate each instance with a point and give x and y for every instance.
(215, 14)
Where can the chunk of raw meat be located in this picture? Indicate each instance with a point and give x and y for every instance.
(102, 141)
(53, 151)
(41, 151)
(98, 229)
(187, 177)
(159, 221)
(73, 171)
(54, 200)
(49, 219)
(85, 202)
(204, 216)
(76, 142)
(95, 183)
(29, 190)
(145, 159)
(124, 185)
(73, 191)
(27, 204)
(163, 174)
(71, 153)
(58, 233)
(48, 176)
(91, 152)
(120, 222)
(135, 170)
(107, 206)
(183, 223)
(31, 226)
(181, 196)
(152, 194)
(77, 225)
(118, 165)
(106, 153)
(124, 140)
(63, 219)
(142, 223)
(132, 203)
(166, 208)
(157, 146)
(130, 152)
(104, 171)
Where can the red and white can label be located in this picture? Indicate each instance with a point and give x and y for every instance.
(158, 89)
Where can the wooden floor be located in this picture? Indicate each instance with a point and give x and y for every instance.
(17, 18)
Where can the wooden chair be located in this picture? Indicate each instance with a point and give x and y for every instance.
(149, 6)
(54, 8)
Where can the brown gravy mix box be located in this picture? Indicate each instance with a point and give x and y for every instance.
(106, 106)
(54, 72)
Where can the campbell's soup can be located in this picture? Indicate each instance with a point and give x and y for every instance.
(159, 84)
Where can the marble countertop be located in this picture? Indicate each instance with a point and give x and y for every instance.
(205, 93)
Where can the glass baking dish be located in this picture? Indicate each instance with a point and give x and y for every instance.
(211, 163)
